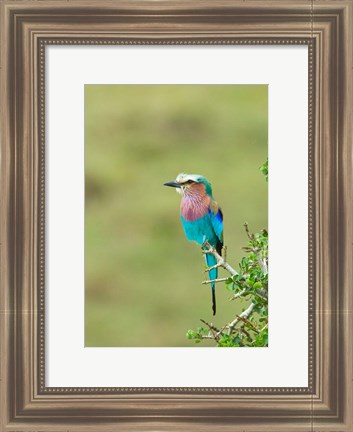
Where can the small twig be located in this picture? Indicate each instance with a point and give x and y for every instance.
(210, 326)
(239, 294)
(221, 330)
(213, 329)
(261, 293)
(249, 323)
(244, 331)
(214, 280)
(213, 267)
(215, 334)
(264, 328)
(251, 236)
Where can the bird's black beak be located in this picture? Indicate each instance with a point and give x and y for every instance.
(172, 184)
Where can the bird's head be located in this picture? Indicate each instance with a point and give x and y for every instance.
(185, 183)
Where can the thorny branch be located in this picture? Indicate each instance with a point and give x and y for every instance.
(242, 320)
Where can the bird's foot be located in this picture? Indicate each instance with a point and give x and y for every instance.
(206, 248)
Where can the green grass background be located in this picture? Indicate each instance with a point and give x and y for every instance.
(142, 277)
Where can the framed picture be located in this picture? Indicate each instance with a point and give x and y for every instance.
(110, 317)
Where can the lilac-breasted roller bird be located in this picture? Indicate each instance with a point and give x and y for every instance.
(201, 217)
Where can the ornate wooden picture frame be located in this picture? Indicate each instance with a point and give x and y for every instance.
(27, 27)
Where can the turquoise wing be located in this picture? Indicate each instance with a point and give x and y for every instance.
(216, 217)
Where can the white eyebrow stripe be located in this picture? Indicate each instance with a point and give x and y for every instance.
(183, 178)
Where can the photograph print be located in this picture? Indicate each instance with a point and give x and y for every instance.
(176, 216)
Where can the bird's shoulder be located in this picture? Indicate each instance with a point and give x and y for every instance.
(216, 210)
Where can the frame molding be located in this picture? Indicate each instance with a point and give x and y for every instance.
(326, 26)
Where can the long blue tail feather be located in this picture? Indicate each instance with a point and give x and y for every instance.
(211, 261)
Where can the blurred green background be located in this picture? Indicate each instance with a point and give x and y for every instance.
(142, 277)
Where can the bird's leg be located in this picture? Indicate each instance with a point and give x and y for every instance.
(206, 248)
(205, 243)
